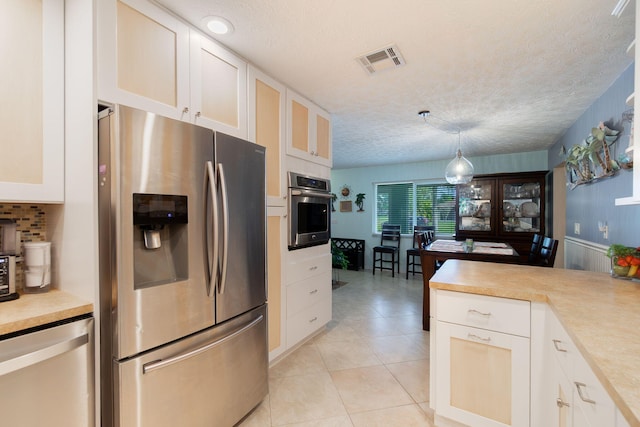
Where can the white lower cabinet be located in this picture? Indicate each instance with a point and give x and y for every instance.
(575, 394)
(308, 294)
(482, 375)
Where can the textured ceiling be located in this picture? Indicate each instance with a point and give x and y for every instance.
(513, 75)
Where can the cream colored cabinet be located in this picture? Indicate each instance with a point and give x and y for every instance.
(32, 91)
(276, 241)
(218, 87)
(308, 296)
(308, 130)
(151, 60)
(143, 58)
(482, 360)
(266, 98)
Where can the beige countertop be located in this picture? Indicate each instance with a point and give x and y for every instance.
(602, 315)
(31, 310)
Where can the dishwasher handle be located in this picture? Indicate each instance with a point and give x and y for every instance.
(42, 354)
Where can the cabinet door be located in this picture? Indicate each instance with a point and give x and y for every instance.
(522, 206)
(266, 127)
(482, 377)
(308, 130)
(143, 58)
(276, 244)
(218, 87)
(476, 203)
(33, 90)
(560, 397)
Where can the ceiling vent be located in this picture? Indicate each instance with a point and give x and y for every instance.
(382, 59)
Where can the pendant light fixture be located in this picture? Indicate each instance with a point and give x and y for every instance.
(459, 170)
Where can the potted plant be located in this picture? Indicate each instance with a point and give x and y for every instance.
(334, 197)
(339, 262)
(360, 201)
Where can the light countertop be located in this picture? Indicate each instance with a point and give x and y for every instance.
(602, 315)
(31, 310)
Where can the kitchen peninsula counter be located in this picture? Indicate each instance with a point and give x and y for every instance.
(602, 315)
(33, 310)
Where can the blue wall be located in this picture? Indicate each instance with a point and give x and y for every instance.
(587, 204)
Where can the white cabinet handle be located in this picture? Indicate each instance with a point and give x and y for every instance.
(478, 338)
(315, 291)
(474, 311)
(561, 403)
(556, 344)
(315, 267)
(580, 386)
(313, 320)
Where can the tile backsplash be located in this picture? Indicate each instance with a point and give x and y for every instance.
(31, 221)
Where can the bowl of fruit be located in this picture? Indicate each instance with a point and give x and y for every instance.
(625, 261)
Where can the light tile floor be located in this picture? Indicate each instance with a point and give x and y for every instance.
(370, 367)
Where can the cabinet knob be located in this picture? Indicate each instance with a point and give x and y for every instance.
(185, 110)
(198, 114)
(313, 153)
(561, 403)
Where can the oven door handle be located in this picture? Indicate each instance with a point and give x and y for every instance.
(310, 194)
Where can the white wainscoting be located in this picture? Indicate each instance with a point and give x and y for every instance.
(585, 255)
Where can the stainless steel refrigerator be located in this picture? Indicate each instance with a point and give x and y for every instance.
(182, 272)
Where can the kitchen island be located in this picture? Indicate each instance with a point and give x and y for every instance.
(601, 314)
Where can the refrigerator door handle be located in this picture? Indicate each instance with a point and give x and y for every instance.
(225, 225)
(212, 259)
(158, 364)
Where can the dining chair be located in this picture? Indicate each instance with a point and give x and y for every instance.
(548, 250)
(534, 252)
(422, 236)
(389, 245)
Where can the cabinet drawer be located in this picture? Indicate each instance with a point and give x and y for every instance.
(307, 321)
(590, 397)
(560, 344)
(308, 267)
(306, 293)
(480, 311)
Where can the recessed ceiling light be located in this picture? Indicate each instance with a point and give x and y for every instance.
(218, 25)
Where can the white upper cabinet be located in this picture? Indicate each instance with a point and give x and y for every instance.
(151, 60)
(308, 130)
(218, 87)
(143, 58)
(32, 92)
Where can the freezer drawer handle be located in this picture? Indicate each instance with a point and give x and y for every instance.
(42, 354)
(157, 364)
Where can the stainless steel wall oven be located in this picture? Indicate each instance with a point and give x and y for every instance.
(309, 211)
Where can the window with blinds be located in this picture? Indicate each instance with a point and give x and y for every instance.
(409, 203)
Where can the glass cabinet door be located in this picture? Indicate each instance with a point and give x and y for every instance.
(474, 207)
(521, 206)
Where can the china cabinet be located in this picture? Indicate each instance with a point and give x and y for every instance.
(502, 207)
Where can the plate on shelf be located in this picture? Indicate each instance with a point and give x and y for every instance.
(509, 209)
(529, 209)
(484, 210)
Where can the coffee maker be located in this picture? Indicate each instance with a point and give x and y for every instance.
(9, 247)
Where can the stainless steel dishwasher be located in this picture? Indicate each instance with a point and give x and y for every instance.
(46, 377)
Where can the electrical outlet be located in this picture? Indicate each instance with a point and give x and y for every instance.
(576, 228)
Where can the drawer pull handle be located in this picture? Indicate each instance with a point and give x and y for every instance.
(580, 386)
(315, 291)
(478, 338)
(556, 344)
(561, 403)
(474, 311)
(315, 267)
(313, 320)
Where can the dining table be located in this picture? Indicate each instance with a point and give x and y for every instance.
(438, 251)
